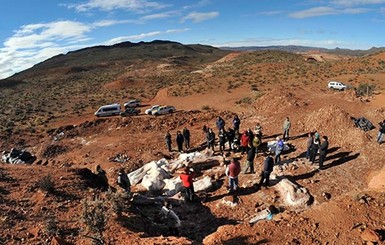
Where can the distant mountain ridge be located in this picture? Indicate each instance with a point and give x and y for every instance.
(303, 49)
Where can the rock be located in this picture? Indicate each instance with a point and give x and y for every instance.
(294, 196)
(369, 235)
(326, 195)
(172, 186)
(204, 184)
(57, 241)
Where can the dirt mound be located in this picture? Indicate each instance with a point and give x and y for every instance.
(337, 124)
(279, 101)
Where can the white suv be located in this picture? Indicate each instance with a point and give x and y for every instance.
(336, 85)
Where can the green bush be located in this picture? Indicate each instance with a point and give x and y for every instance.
(365, 89)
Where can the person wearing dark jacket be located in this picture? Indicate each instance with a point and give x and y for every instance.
(210, 136)
(222, 139)
(123, 181)
(236, 123)
(179, 141)
(168, 140)
(220, 123)
(314, 149)
(250, 160)
(230, 137)
(186, 137)
(323, 148)
(267, 169)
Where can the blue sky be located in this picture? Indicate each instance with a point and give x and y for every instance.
(35, 30)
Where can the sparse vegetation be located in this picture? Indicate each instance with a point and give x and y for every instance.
(46, 184)
(95, 219)
(365, 89)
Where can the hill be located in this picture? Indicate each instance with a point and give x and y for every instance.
(48, 111)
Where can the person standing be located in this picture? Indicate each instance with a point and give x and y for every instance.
(222, 140)
(314, 149)
(258, 131)
(286, 127)
(230, 137)
(220, 123)
(278, 150)
(123, 181)
(168, 140)
(236, 123)
(308, 144)
(186, 137)
(171, 219)
(323, 148)
(210, 136)
(188, 185)
(244, 142)
(256, 145)
(250, 160)
(232, 171)
(179, 141)
(381, 132)
(268, 166)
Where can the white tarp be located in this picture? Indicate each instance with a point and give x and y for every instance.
(272, 144)
(157, 175)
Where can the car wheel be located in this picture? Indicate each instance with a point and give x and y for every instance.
(156, 114)
(170, 111)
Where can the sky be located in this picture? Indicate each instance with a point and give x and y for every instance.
(32, 31)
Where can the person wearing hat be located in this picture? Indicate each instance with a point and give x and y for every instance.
(123, 181)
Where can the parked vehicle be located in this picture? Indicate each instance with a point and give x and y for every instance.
(108, 110)
(337, 85)
(164, 110)
(151, 109)
(130, 112)
(132, 104)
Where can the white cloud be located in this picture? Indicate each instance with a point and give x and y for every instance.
(139, 6)
(143, 36)
(37, 42)
(322, 11)
(164, 15)
(199, 17)
(356, 2)
(312, 12)
(106, 23)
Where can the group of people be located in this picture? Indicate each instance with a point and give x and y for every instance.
(316, 145)
(182, 140)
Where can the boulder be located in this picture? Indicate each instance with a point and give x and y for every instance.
(172, 186)
(294, 197)
(204, 184)
(153, 180)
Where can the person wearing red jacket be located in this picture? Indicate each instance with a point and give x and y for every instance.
(232, 171)
(187, 182)
(244, 142)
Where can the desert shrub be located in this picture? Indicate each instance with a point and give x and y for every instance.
(365, 89)
(117, 201)
(205, 107)
(245, 100)
(95, 219)
(51, 226)
(46, 184)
